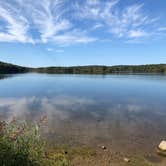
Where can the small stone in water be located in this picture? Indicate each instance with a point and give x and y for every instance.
(162, 145)
(103, 147)
(66, 152)
(126, 159)
(162, 148)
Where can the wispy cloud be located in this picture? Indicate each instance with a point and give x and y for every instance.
(72, 37)
(55, 50)
(15, 28)
(129, 22)
(48, 21)
(97, 26)
(137, 33)
(59, 51)
(162, 29)
(49, 49)
(65, 22)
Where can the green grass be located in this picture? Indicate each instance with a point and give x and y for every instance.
(22, 145)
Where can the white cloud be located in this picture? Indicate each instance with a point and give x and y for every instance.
(49, 21)
(93, 2)
(59, 51)
(16, 27)
(97, 26)
(55, 50)
(137, 33)
(135, 41)
(162, 29)
(73, 37)
(65, 22)
(49, 49)
(122, 23)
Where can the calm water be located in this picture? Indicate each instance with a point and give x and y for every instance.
(123, 112)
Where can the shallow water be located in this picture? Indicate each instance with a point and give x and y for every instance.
(122, 112)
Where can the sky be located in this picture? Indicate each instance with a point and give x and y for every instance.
(82, 32)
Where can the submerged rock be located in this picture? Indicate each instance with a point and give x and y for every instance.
(103, 147)
(127, 160)
(162, 153)
(162, 148)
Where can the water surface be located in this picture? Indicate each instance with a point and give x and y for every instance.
(123, 112)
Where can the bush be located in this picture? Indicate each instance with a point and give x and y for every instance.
(22, 145)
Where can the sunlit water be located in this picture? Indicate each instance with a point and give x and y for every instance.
(123, 112)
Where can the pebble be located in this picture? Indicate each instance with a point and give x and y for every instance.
(103, 147)
(162, 148)
(126, 159)
(162, 145)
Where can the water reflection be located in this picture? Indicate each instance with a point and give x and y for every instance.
(5, 76)
(117, 111)
(23, 108)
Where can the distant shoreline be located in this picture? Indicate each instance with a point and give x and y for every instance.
(7, 68)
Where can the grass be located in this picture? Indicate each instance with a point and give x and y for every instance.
(22, 145)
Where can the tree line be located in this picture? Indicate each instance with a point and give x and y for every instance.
(160, 68)
(6, 68)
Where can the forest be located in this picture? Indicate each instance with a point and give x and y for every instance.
(6, 68)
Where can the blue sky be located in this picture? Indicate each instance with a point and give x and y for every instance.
(82, 32)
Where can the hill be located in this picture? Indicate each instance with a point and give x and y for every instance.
(7, 68)
(157, 68)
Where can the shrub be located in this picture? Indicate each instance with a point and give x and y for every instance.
(22, 145)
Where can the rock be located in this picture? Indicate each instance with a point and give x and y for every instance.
(66, 152)
(103, 147)
(127, 160)
(162, 146)
(161, 153)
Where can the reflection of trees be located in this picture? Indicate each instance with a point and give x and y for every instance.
(4, 76)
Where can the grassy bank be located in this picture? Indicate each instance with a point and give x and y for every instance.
(21, 144)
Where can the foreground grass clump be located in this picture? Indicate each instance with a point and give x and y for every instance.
(22, 145)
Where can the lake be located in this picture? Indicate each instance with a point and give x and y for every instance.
(125, 113)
